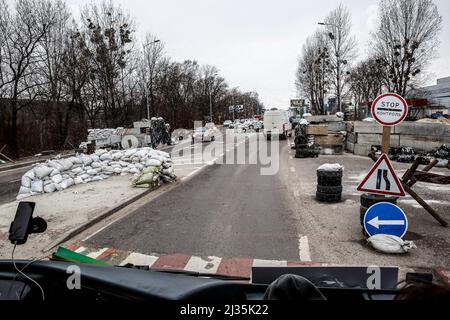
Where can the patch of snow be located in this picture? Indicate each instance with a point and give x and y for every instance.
(369, 120)
(330, 167)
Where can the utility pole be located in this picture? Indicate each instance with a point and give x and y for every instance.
(145, 84)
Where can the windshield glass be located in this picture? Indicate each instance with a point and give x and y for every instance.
(220, 138)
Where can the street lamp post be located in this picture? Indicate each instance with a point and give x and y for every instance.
(145, 84)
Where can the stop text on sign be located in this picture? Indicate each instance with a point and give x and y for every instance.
(389, 109)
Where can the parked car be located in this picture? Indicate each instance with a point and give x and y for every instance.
(203, 134)
(227, 123)
(277, 123)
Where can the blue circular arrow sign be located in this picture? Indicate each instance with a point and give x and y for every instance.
(386, 218)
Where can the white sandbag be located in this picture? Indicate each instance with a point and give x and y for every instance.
(139, 166)
(57, 178)
(135, 160)
(26, 182)
(95, 158)
(50, 188)
(108, 169)
(105, 156)
(24, 190)
(97, 178)
(58, 187)
(75, 160)
(85, 176)
(153, 163)
(77, 170)
(96, 165)
(114, 163)
(47, 182)
(140, 154)
(134, 171)
(67, 183)
(66, 163)
(100, 152)
(88, 180)
(129, 153)
(86, 160)
(54, 172)
(104, 176)
(78, 180)
(30, 174)
(55, 165)
(37, 186)
(159, 158)
(118, 170)
(390, 244)
(163, 154)
(116, 156)
(42, 171)
(92, 172)
(443, 163)
(123, 163)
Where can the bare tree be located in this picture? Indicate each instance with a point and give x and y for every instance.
(312, 71)
(366, 81)
(342, 49)
(21, 34)
(406, 40)
(110, 34)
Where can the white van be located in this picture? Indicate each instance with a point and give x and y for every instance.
(277, 123)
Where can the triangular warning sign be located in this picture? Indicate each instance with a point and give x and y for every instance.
(382, 180)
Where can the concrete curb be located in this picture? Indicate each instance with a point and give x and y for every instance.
(76, 231)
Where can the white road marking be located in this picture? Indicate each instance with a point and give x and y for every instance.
(80, 250)
(303, 249)
(96, 254)
(139, 260)
(191, 174)
(208, 265)
(269, 263)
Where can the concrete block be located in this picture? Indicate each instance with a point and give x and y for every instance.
(423, 129)
(421, 143)
(362, 149)
(317, 130)
(337, 126)
(332, 150)
(369, 127)
(329, 140)
(320, 119)
(375, 139)
(349, 126)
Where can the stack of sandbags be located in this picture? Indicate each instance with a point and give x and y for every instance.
(57, 175)
(96, 134)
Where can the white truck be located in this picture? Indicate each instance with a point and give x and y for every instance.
(277, 123)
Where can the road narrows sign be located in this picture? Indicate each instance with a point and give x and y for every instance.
(382, 180)
(389, 109)
(386, 218)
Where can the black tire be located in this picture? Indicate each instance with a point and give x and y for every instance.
(329, 198)
(329, 182)
(330, 189)
(301, 146)
(368, 200)
(330, 174)
(362, 214)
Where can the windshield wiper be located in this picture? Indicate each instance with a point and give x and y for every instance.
(188, 273)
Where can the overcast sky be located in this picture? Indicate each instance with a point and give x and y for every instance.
(255, 43)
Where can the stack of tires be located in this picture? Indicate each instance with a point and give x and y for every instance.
(329, 186)
(369, 200)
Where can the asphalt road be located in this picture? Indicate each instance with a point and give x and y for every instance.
(226, 210)
(10, 182)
